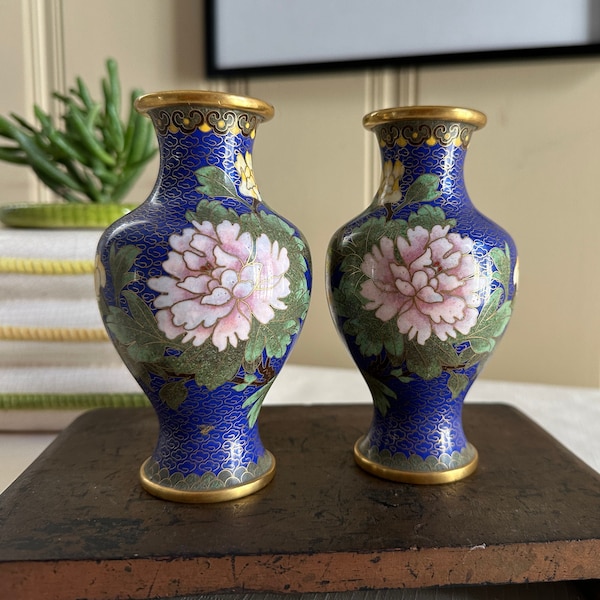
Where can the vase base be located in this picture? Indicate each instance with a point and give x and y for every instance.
(208, 496)
(416, 477)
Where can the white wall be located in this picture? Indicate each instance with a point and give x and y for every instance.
(532, 169)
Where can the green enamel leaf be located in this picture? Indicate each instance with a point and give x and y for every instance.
(395, 228)
(488, 310)
(490, 325)
(373, 335)
(145, 345)
(254, 402)
(272, 222)
(481, 345)
(362, 241)
(424, 189)
(102, 306)
(423, 362)
(457, 382)
(400, 375)
(501, 261)
(121, 262)
(273, 338)
(211, 376)
(468, 357)
(445, 351)
(216, 183)
(369, 345)
(428, 217)
(277, 344)
(140, 312)
(381, 393)
(249, 379)
(173, 394)
(213, 211)
(254, 346)
(394, 343)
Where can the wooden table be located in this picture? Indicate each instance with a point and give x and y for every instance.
(77, 524)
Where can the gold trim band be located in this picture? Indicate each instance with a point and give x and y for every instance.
(208, 496)
(147, 102)
(416, 477)
(467, 116)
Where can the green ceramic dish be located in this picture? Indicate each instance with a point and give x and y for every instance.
(63, 216)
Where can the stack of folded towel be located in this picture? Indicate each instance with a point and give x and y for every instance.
(54, 351)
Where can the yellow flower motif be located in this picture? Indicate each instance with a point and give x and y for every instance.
(99, 276)
(243, 165)
(389, 188)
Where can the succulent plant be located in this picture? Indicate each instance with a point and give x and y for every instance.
(93, 156)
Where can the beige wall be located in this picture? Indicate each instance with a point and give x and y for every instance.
(532, 169)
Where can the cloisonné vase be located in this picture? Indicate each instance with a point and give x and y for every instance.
(421, 288)
(203, 290)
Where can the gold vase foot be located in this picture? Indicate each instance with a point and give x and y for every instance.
(207, 496)
(416, 477)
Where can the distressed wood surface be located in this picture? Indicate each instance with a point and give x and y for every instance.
(77, 524)
(563, 590)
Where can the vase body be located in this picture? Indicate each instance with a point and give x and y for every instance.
(204, 289)
(421, 289)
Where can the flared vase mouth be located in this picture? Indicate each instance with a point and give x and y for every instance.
(468, 116)
(204, 98)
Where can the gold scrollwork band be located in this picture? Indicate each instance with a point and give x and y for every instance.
(416, 125)
(186, 111)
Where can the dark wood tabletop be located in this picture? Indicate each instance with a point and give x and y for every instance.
(77, 524)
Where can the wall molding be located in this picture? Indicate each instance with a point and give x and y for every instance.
(384, 88)
(43, 31)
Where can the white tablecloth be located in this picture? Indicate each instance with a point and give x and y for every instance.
(570, 414)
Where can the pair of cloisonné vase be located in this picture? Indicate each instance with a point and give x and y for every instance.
(204, 289)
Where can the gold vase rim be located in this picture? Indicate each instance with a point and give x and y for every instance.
(143, 104)
(467, 116)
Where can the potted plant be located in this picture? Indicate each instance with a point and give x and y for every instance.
(90, 161)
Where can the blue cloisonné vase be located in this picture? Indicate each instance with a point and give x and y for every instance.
(421, 288)
(203, 290)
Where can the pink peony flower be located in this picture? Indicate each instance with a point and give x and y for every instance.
(219, 279)
(434, 289)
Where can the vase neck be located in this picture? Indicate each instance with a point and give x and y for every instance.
(411, 149)
(195, 139)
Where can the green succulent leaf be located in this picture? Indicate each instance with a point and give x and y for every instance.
(89, 159)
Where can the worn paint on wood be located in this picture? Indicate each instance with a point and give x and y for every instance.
(77, 523)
